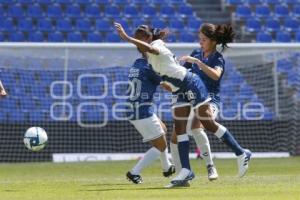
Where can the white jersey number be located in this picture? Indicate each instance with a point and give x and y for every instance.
(135, 86)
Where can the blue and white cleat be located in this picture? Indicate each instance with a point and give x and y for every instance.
(243, 162)
(182, 179)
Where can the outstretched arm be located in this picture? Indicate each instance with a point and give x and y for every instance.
(2, 90)
(142, 46)
(214, 74)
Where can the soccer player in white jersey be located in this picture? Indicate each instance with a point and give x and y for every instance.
(2, 90)
(183, 82)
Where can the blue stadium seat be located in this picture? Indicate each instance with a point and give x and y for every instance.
(120, 2)
(167, 11)
(112, 37)
(16, 10)
(92, 11)
(64, 25)
(272, 24)
(74, 37)
(254, 2)
(171, 38)
(2, 38)
(125, 24)
(83, 25)
(94, 37)
(112, 11)
(291, 2)
(45, 2)
(25, 25)
(55, 37)
(139, 2)
(193, 24)
(64, 2)
(130, 11)
(185, 11)
(45, 25)
(54, 11)
(2, 12)
(148, 11)
(138, 21)
(291, 24)
(235, 2)
(103, 25)
(283, 37)
(103, 2)
(262, 11)
(177, 2)
(296, 11)
(17, 37)
(264, 37)
(273, 2)
(159, 2)
(176, 25)
(158, 23)
(7, 25)
(34, 11)
(26, 1)
(297, 36)
(36, 37)
(243, 11)
(187, 37)
(281, 11)
(253, 25)
(73, 11)
(83, 2)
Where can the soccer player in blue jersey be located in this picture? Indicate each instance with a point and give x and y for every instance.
(191, 87)
(2, 90)
(143, 83)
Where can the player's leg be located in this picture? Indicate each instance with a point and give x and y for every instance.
(202, 142)
(174, 151)
(243, 155)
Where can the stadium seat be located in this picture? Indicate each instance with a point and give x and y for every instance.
(45, 25)
(25, 25)
(262, 11)
(94, 37)
(130, 11)
(177, 2)
(83, 25)
(159, 2)
(26, 1)
(235, 2)
(297, 36)
(148, 11)
(64, 25)
(112, 37)
(167, 11)
(139, 2)
(264, 37)
(138, 21)
(272, 25)
(112, 11)
(16, 10)
(2, 38)
(243, 11)
(73, 11)
(120, 2)
(2, 12)
(103, 25)
(54, 11)
(185, 11)
(17, 37)
(291, 24)
(253, 25)
(291, 2)
(7, 25)
(103, 2)
(36, 37)
(83, 2)
(176, 25)
(193, 24)
(34, 11)
(64, 2)
(296, 11)
(171, 38)
(187, 37)
(254, 2)
(283, 37)
(158, 23)
(273, 2)
(92, 11)
(45, 2)
(7, 2)
(55, 37)
(281, 11)
(74, 37)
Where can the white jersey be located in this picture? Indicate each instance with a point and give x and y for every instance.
(166, 65)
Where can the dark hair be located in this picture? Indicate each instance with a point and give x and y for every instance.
(222, 34)
(146, 31)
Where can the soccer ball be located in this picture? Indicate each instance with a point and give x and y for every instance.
(35, 138)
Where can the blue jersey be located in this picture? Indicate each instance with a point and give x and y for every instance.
(214, 60)
(143, 83)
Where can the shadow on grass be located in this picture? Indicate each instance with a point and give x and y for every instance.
(124, 189)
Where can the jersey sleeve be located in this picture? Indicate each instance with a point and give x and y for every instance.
(219, 62)
(158, 44)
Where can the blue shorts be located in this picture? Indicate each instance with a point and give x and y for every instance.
(192, 93)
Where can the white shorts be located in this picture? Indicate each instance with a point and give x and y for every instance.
(215, 111)
(150, 128)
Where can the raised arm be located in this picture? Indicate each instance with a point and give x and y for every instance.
(142, 46)
(2, 90)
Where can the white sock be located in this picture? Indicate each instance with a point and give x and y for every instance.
(148, 158)
(182, 174)
(203, 144)
(165, 162)
(175, 156)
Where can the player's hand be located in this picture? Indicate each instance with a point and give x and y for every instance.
(121, 31)
(188, 59)
(3, 93)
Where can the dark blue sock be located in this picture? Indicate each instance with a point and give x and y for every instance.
(229, 140)
(183, 149)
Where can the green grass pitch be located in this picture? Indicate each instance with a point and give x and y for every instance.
(269, 179)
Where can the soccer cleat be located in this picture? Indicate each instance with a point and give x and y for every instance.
(137, 179)
(212, 172)
(170, 171)
(243, 162)
(182, 182)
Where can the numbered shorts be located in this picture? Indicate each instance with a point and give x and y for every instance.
(150, 128)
